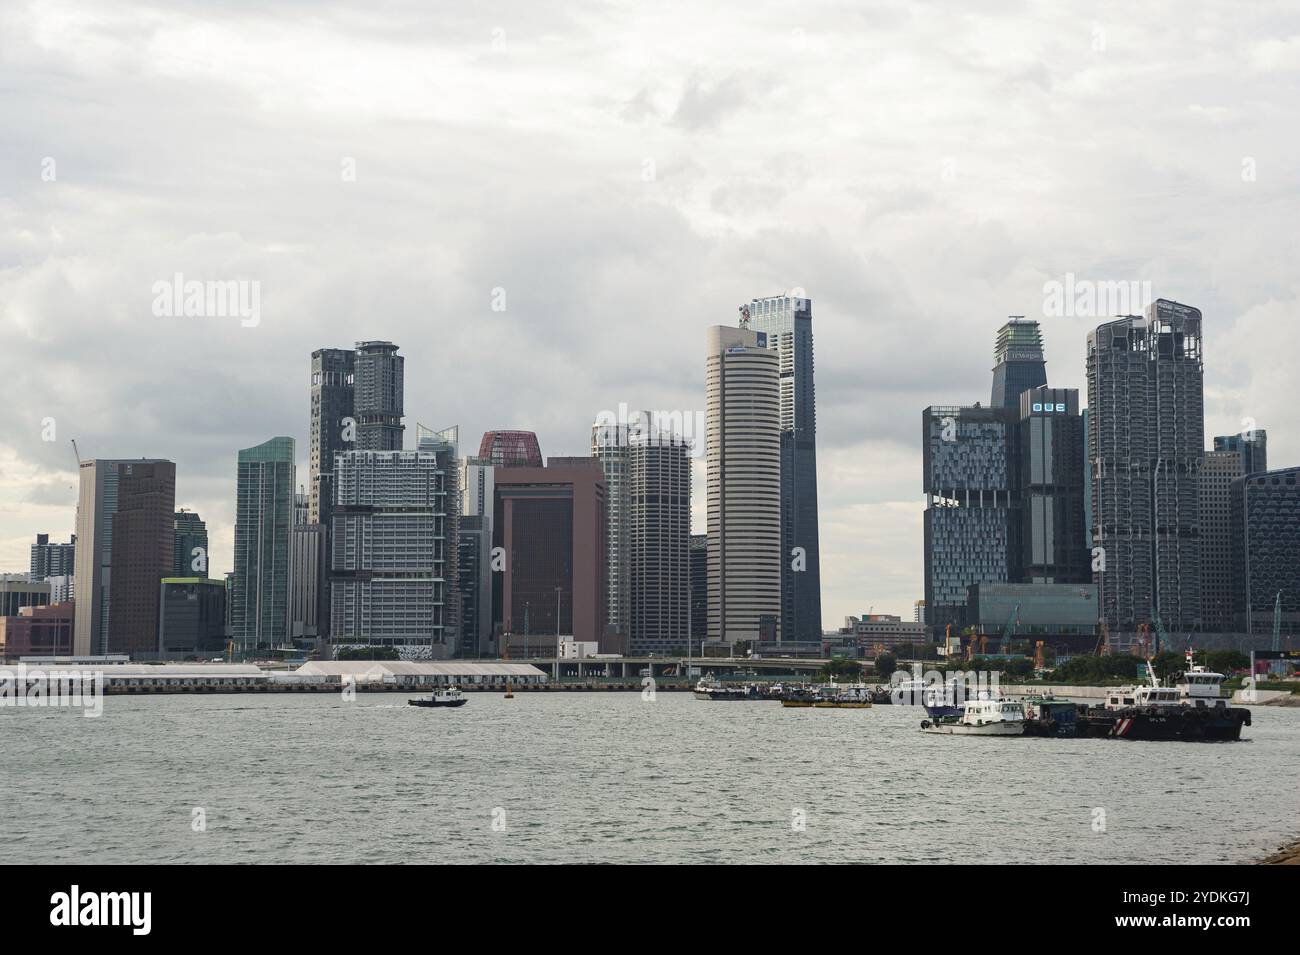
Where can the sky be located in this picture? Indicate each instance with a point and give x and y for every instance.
(620, 176)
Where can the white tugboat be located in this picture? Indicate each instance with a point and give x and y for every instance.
(981, 718)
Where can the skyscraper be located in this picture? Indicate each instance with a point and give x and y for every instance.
(190, 545)
(1054, 546)
(1018, 363)
(610, 445)
(378, 396)
(971, 481)
(143, 547)
(97, 502)
(1250, 446)
(1265, 534)
(699, 589)
(1219, 469)
(333, 427)
(787, 323)
(743, 451)
(550, 524)
(264, 506)
(393, 551)
(1147, 438)
(659, 533)
(475, 559)
(52, 560)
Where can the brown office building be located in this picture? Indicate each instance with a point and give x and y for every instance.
(550, 521)
(37, 632)
(143, 540)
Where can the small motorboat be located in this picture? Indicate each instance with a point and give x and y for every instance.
(451, 696)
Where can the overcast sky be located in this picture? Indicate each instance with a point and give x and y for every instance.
(628, 174)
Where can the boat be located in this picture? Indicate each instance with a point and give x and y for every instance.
(452, 696)
(943, 699)
(981, 718)
(831, 696)
(1046, 715)
(1193, 709)
(710, 689)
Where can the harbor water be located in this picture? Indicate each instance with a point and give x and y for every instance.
(612, 777)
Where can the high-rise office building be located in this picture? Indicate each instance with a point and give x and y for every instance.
(1219, 469)
(378, 396)
(393, 551)
(699, 589)
(510, 449)
(192, 616)
(743, 452)
(1265, 520)
(475, 571)
(1018, 362)
(550, 524)
(190, 545)
(264, 508)
(97, 502)
(1054, 546)
(307, 566)
(143, 549)
(659, 532)
(611, 446)
(972, 502)
(52, 560)
(786, 321)
(1250, 446)
(333, 427)
(18, 591)
(1147, 438)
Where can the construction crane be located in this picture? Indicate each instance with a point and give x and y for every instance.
(1103, 642)
(1012, 621)
(1162, 638)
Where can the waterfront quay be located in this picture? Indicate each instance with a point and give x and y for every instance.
(380, 676)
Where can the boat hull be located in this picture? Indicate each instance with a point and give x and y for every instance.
(1192, 724)
(1001, 728)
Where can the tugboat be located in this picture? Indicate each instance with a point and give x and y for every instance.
(981, 718)
(710, 689)
(452, 696)
(1192, 709)
(1045, 715)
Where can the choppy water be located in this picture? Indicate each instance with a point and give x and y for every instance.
(607, 777)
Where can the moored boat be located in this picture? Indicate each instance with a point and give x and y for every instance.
(1193, 709)
(710, 689)
(831, 696)
(981, 718)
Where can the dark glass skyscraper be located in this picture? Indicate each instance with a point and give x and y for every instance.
(332, 372)
(787, 322)
(188, 534)
(264, 505)
(378, 396)
(1147, 437)
(1018, 363)
(1251, 447)
(1266, 544)
(142, 554)
(1053, 539)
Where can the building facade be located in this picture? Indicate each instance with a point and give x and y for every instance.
(37, 631)
(1146, 435)
(143, 549)
(378, 396)
(52, 560)
(264, 509)
(192, 616)
(550, 525)
(699, 589)
(1265, 534)
(1218, 601)
(972, 501)
(659, 557)
(743, 456)
(510, 449)
(1250, 446)
(18, 591)
(786, 321)
(190, 545)
(1018, 363)
(393, 552)
(1054, 545)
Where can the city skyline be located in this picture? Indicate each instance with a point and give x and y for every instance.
(914, 245)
